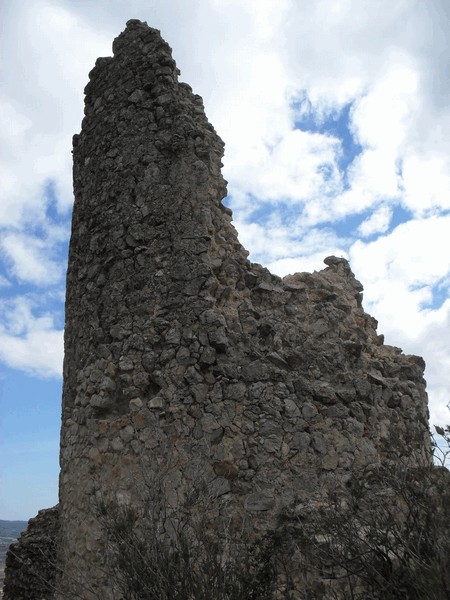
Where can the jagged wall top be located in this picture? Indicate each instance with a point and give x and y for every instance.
(147, 181)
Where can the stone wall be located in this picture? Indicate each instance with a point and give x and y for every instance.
(182, 357)
(31, 561)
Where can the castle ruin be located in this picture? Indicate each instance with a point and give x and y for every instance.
(182, 356)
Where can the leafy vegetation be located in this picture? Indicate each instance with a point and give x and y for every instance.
(385, 537)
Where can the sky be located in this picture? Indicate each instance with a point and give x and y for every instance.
(335, 115)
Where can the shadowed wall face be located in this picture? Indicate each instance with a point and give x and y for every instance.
(181, 356)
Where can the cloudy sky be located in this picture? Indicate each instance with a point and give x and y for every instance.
(335, 115)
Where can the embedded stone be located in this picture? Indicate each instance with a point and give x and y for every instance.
(259, 501)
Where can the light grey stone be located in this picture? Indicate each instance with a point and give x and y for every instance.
(259, 501)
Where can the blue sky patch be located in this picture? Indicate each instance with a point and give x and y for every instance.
(347, 226)
(334, 123)
(399, 215)
(440, 293)
(29, 451)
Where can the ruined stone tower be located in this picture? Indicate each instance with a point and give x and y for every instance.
(181, 356)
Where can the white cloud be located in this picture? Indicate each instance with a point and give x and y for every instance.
(41, 105)
(13, 127)
(373, 175)
(300, 166)
(29, 342)
(415, 253)
(382, 117)
(29, 259)
(306, 263)
(426, 182)
(378, 222)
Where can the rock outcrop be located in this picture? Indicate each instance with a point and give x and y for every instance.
(181, 356)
